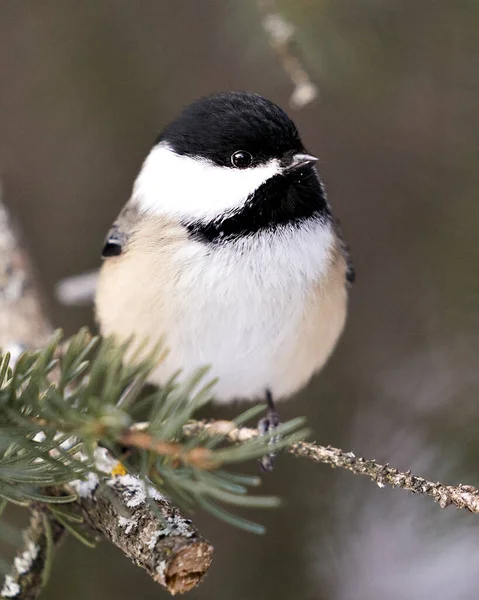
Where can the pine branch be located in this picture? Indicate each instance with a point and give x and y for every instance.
(461, 496)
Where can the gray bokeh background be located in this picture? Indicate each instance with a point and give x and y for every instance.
(84, 89)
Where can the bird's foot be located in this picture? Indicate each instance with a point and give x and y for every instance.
(266, 425)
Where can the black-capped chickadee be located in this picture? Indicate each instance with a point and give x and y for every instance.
(228, 250)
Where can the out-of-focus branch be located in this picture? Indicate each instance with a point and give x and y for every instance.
(280, 34)
(460, 496)
(31, 566)
(77, 290)
(150, 531)
(22, 320)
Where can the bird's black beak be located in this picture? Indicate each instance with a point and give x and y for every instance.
(299, 160)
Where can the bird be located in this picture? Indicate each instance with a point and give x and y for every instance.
(228, 251)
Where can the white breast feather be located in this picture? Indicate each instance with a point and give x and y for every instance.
(239, 306)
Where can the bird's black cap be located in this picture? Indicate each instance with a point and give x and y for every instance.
(217, 126)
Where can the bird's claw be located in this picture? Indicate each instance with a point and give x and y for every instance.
(267, 425)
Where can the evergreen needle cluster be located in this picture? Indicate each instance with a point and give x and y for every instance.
(60, 403)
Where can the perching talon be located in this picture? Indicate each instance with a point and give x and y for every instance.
(265, 425)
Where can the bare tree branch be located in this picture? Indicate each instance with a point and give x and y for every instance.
(460, 496)
(31, 566)
(150, 531)
(280, 34)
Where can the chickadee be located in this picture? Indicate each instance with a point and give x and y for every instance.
(228, 249)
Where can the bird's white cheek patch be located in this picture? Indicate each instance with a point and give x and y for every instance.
(195, 189)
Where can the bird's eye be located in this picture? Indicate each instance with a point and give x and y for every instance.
(241, 159)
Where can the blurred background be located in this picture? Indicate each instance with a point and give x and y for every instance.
(84, 89)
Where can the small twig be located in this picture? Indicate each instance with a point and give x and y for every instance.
(280, 33)
(460, 496)
(32, 564)
(198, 457)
